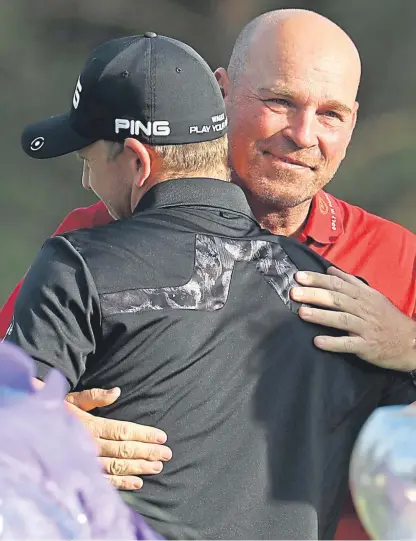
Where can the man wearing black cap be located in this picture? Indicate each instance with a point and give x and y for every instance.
(184, 304)
(151, 109)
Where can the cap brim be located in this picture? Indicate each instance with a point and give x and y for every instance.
(52, 137)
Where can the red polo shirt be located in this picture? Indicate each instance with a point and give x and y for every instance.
(381, 252)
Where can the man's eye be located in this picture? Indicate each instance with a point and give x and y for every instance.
(332, 114)
(278, 101)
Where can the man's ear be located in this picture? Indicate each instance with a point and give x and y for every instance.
(223, 80)
(353, 123)
(355, 114)
(141, 161)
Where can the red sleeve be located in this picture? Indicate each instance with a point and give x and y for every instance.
(77, 219)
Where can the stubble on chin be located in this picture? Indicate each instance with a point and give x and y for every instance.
(283, 193)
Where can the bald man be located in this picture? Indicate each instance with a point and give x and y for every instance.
(291, 92)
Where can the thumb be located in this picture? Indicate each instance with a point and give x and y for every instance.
(93, 398)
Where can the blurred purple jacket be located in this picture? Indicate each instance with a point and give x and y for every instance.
(51, 485)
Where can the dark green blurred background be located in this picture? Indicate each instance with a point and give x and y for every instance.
(44, 43)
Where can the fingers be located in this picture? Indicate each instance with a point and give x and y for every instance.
(126, 431)
(125, 482)
(342, 344)
(330, 282)
(109, 429)
(327, 299)
(337, 320)
(131, 450)
(121, 467)
(126, 449)
(346, 277)
(122, 472)
(93, 398)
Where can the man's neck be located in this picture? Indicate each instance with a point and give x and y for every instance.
(288, 222)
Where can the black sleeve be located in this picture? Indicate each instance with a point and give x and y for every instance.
(400, 390)
(57, 313)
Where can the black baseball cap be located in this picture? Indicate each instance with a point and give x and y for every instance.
(153, 88)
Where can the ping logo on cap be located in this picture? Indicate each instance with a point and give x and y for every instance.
(135, 127)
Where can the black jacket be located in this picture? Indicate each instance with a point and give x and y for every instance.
(186, 307)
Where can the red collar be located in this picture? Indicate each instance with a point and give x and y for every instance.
(324, 224)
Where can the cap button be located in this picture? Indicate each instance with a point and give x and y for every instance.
(150, 35)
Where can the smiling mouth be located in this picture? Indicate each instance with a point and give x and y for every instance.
(290, 161)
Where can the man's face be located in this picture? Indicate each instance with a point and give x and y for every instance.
(291, 117)
(110, 179)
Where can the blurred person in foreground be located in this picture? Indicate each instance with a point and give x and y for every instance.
(300, 90)
(383, 473)
(41, 499)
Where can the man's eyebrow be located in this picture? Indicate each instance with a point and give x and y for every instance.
(331, 105)
(337, 106)
(280, 91)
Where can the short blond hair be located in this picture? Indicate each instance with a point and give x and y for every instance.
(209, 158)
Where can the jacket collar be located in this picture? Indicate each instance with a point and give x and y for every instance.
(200, 192)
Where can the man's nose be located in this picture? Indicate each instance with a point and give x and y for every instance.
(302, 129)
